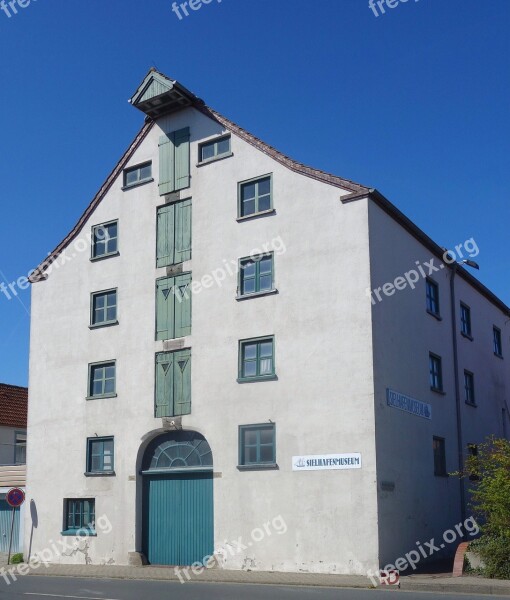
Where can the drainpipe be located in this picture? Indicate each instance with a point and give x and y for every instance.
(458, 406)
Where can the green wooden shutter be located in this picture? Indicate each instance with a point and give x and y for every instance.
(166, 236)
(182, 250)
(164, 384)
(182, 302)
(166, 164)
(182, 382)
(165, 308)
(181, 143)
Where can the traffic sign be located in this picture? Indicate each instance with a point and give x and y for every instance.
(15, 497)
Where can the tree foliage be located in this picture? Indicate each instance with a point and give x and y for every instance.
(489, 471)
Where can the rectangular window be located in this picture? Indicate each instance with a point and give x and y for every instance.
(257, 445)
(469, 388)
(20, 448)
(100, 455)
(139, 174)
(80, 515)
(102, 380)
(214, 149)
(256, 274)
(256, 359)
(498, 347)
(473, 451)
(432, 297)
(173, 307)
(173, 383)
(174, 163)
(436, 374)
(439, 457)
(103, 308)
(173, 233)
(465, 320)
(105, 240)
(255, 196)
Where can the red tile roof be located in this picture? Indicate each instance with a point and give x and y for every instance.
(13, 406)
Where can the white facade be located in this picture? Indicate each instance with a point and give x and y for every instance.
(335, 355)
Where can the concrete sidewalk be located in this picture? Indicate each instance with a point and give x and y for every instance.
(418, 583)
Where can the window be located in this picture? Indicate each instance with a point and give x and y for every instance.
(498, 348)
(256, 359)
(436, 375)
(103, 309)
(257, 445)
(173, 233)
(173, 383)
(102, 378)
(469, 388)
(432, 297)
(255, 196)
(105, 240)
(79, 516)
(465, 320)
(137, 175)
(173, 307)
(214, 149)
(439, 457)
(473, 451)
(256, 274)
(174, 172)
(20, 448)
(100, 455)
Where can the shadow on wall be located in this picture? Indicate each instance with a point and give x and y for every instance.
(35, 522)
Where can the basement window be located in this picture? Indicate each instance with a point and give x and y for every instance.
(79, 516)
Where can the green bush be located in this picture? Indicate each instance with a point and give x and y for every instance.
(489, 471)
(16, 559)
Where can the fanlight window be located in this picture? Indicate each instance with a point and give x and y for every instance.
(178, 450)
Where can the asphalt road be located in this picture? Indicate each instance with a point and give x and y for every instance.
(50, 588)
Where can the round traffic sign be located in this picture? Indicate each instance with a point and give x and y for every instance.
(15, 497)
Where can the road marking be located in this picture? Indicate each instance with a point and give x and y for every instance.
(60, 596)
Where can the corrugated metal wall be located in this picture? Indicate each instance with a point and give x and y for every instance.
(178, 518)
(5, 528)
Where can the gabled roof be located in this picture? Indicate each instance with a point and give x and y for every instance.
(13, 406)
(143, 90)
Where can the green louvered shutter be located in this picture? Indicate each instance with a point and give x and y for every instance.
(182, 250)
(182, 382)
(166, 164)
(181, 142)
(165, 384)
(166, 236)
(165, 309)
(182, 302)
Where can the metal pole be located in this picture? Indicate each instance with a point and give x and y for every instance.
(10, 539)
(458, 406)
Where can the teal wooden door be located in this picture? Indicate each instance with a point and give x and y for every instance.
(5, 528)
(178, 518)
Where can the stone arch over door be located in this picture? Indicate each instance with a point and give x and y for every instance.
(177, 499)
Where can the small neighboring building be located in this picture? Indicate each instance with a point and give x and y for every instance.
(13, 454)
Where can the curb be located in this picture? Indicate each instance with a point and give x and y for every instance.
(456, 588)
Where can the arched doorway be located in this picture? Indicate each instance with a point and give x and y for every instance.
(177, 506)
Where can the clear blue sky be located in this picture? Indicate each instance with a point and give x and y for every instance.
(414, 102)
